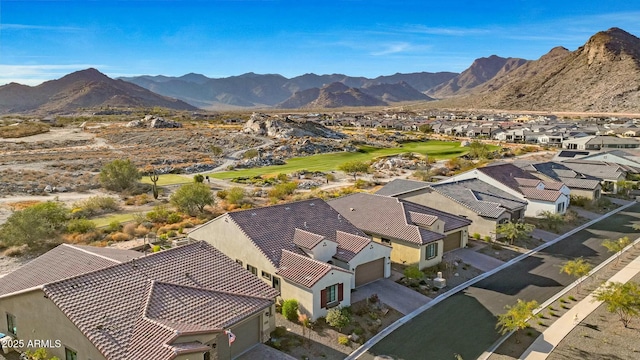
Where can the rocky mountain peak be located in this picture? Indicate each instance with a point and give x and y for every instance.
(611, 45)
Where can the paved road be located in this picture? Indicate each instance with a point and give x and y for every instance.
(465, 323)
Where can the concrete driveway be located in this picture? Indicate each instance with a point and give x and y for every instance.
(397, 296)
(472, 257)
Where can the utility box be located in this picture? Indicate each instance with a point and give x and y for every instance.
(439, 281)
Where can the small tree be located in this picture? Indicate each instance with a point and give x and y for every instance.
(354, 168)
(616, 246)
(199, 178)
(119, 175)
(622, 299)
(338, 318)
(290, 309)
(513, 231)
(192, 198)
(551, 220)
(515, 318)
(576, 268)
(34, 225)
(39, 354)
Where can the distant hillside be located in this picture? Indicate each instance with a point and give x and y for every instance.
(256, 90)
(601, 76)
(481, 71)
(394, 92)
(330, 96)
(82, 89)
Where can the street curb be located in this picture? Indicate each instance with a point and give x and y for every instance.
(389, 329)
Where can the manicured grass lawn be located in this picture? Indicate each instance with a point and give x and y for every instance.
(169, 179)
(324, 162)
(108, 219)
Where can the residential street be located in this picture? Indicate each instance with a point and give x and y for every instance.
(465, 323)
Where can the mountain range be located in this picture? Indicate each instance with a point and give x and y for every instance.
(603, 75)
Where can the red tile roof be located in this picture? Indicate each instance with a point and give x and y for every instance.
(303, 270)
(544, 195)
(135, 310)
(305, 239)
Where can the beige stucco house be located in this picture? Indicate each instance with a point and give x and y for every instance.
(485, 205)
(418, 235)
(100, 303)
(305, 249)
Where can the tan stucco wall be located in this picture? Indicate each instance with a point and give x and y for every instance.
(30, 310)
(409, 254)
(227, 237)
(589, 194)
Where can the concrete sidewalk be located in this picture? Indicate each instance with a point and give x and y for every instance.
(551, 337)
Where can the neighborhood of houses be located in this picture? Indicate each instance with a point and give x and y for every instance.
(216, 296)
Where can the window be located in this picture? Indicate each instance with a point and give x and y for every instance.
(431, 251)
(252, 270)
(385, 241)
(276, 283)
(266, 275)
(332, 294)
(239, 261)
(70, 354)
(11, 324)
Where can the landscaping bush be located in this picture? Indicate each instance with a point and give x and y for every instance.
(338, 317)
(344, 340)
(173, 218)
(290, 309)
(413, 273)
(222, 194)
(198, 178)
(476, 236)
(95, 205)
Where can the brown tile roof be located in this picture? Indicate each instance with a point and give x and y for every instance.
(507, 174)
(305, 239)
(64, 261)
(135, 310)
(349, 245)
(273, 228)
(303, 270)
(388, 216)
(553, 185)
(544, 195)
(528, 182)
(421, 219)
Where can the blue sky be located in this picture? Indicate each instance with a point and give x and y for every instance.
(44, 40)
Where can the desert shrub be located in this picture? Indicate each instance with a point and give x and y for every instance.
(23, 129)
(130, 228)
(282, 177)
(360, 184)
(251, 153)
(281, 191)
(579, 201)
(343, 340)
(192, 198)
(80, 226)
(34, 225)
(120, 236)
(95, 205)
(236, 195)
(172, 233)
(290, 309)
(476, 236)
(159, 214)
(14, 251)
(279, 332)
(140, 231)
(487, 238)
(198, 178)
(330, 177)
(173, 218)
(155, 248)
(113, 226)
(222, 194)
(338, 318)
